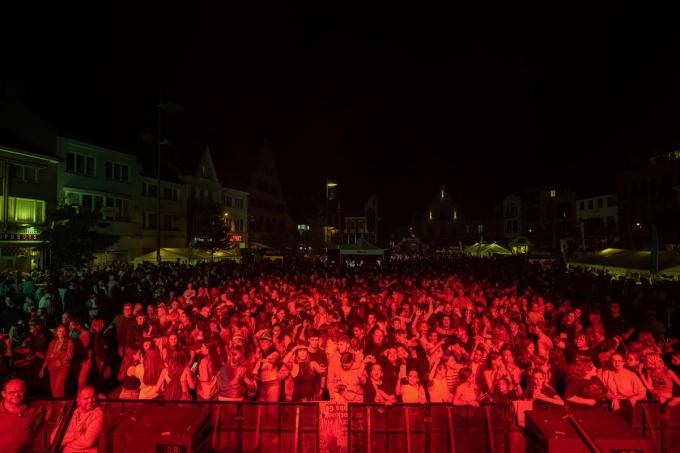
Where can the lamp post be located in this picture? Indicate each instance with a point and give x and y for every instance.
(329, 185)
(168, 107)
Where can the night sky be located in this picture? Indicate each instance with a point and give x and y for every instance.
(386, 99)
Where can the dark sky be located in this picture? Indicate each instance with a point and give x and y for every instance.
(386, 99)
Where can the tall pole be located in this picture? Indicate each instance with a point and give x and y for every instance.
(158, 183)
(325, 220)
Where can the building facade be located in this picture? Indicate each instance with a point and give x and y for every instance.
(513, 217)
(550, 216)
(269, 222)
(105, 180)
(444, 225)
(173, 214)
(236, 215)
(646, 197)
(205, 197)
(597, 218)
(28, 194)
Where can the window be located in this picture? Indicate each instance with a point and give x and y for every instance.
(239, 226)
(150, 190)
(582, 205)
(23, 173)
(79, 164)
(600, 203)
(515, 226)
(238, 203)
(87, 201)
(170, 193)
(24, 210)
(150, 221)
(611, 201)
(167, 222)
(430, 216)
(227, 201)
(455, 214)
(116, 209)
(117, 172)
(553, 193)
(590, 204)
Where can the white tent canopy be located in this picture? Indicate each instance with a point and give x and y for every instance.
(187, 256)
(486, 249)
(361, 248)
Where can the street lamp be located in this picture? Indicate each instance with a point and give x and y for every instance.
(329, 185)
(168, 107)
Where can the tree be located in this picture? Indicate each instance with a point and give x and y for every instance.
(74, 236)
(213, 235)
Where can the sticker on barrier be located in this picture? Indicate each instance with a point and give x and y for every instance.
(332, 427)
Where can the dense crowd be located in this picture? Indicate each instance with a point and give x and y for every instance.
(459, 330)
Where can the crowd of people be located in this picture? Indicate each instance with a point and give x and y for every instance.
(455, 330)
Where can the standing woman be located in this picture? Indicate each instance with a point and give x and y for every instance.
(178, 377)
(58, 361)
(302, 371)
(127, 377)
(149, 371)
(208, 370)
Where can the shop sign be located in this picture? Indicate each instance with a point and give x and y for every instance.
(19, 237)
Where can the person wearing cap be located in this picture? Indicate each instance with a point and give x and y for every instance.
(267, 368)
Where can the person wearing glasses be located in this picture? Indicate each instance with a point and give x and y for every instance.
(622, 384)
(20, 421)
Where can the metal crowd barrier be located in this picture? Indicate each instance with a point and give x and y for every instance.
(413, 428)
(205, 426)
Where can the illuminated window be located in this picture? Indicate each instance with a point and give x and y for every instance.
(24, 210)
(430, 216)
(455, 215)
(480, 228)
(553, 193)
(442, 194)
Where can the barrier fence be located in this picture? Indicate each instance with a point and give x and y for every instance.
(192, 426)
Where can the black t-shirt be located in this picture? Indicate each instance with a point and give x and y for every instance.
(390, 376)
(592, 388)
(375, 350)
(574, 355)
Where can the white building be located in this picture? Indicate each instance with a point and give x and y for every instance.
(99, 178)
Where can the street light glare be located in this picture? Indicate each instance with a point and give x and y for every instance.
(331, 184)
